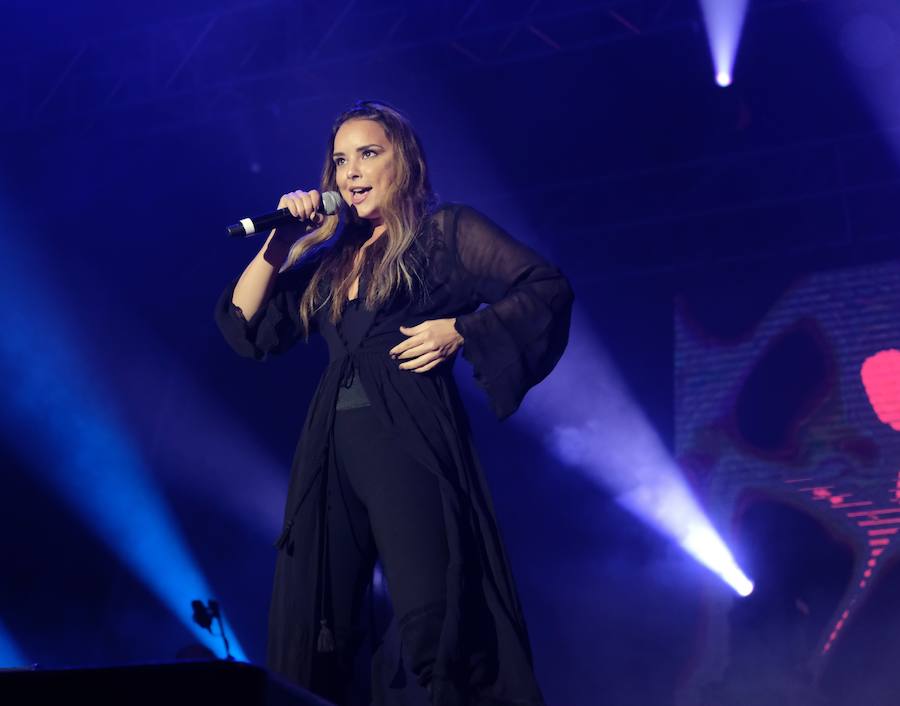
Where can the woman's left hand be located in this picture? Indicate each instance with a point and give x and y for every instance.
(429, 344)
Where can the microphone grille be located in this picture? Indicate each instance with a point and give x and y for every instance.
(331, 202)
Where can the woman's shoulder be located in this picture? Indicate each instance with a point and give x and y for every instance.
(443, 211)
(448, 215)
(451, 208)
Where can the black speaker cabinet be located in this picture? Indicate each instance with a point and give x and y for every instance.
(181, 684)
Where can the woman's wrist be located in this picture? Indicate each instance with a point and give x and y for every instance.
(462, 339)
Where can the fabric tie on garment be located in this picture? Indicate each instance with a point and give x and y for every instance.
(352, 328)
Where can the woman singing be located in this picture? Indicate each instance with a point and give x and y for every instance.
(385, 468)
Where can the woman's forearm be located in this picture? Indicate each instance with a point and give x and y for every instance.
(253, 288)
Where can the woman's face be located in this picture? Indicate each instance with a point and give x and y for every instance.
(364, 166)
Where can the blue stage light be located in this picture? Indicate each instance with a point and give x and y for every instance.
(867, 32)
(58, 414)
(10, 654)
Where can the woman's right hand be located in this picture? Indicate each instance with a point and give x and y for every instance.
(303, 205)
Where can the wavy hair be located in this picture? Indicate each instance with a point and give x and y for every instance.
(407, 203)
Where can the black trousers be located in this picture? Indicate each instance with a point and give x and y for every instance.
(381, 503)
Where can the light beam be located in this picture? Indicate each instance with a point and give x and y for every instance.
(724, 23)
(10, 654)
(57, 413)
(598, 429)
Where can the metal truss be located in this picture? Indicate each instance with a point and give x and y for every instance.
(194, 66)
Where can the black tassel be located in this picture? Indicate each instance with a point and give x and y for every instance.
(325, 643)
(283, 537)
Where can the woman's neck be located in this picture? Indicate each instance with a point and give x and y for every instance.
(376, 233)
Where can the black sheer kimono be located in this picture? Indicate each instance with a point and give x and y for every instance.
(512, 344)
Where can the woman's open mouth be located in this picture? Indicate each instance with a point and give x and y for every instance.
(358, 194)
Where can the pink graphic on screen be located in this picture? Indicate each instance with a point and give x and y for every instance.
(881, 378)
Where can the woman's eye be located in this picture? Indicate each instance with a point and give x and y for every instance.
(369, 153)
(339, 161)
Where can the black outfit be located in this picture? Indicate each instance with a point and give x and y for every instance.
(450, 581)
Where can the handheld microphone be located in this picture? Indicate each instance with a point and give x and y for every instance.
(330, 204)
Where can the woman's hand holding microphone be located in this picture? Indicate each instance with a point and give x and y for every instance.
(304, 206)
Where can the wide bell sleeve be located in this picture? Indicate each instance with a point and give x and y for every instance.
(275, 326)
(516, 340)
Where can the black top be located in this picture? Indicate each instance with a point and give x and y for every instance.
(352, 394)
(512, 343)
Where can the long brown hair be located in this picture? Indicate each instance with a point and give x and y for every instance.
(408, 202)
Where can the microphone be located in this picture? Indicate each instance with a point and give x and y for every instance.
(330, 204)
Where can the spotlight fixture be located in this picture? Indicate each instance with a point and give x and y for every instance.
(724, 21)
